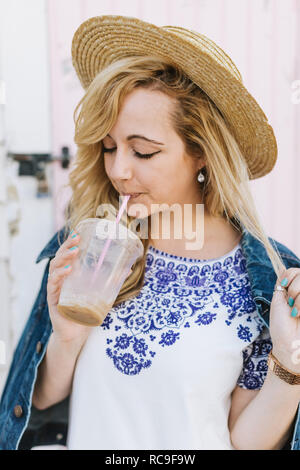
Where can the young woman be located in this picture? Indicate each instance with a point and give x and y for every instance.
(180, 361)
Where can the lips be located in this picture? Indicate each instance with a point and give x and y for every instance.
(132, 195)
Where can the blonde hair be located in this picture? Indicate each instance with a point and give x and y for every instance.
(197, 121)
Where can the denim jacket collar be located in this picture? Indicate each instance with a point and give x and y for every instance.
(52, 246)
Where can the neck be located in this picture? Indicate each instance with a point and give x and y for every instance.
(180, 224)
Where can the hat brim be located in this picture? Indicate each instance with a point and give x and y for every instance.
(101, 40)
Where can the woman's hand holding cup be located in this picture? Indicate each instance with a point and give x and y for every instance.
(60, 267)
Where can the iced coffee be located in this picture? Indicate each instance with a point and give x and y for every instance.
(89, 292)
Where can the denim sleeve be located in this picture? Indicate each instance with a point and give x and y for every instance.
(255, 365)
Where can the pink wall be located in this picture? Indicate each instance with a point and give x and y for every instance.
(261, 36)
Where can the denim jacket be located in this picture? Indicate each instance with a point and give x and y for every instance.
(22, 426)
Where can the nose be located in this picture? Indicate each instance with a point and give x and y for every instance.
(121, 167)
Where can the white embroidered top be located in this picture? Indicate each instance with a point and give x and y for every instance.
(159, 372)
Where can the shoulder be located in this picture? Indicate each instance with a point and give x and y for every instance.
(255, 250)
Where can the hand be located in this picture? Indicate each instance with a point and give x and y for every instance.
(285, 329)
(64, 329)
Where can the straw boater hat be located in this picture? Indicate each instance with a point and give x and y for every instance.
(101, 40)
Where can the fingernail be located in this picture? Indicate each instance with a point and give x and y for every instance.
(73, 236)
(68, 265)
(294, 312)
(284, 282)
(73, 248)
(291, 301)
(71, 232)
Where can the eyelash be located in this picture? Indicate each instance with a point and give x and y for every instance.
(139, 155)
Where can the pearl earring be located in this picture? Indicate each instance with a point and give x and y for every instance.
(201, 177)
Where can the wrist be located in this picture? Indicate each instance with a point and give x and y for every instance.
(70, 347)
(287, 360)
(280, 376)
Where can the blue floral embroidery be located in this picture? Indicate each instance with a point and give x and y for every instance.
(122, 342)
(127, 363)
(206, 318)
(244, 333)
(140, 347)
(169, 338)
(167, 275)
(255, 365)
(107, 321)
(195, 281)
(178, 295)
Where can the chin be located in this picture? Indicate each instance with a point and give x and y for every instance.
(138, 209)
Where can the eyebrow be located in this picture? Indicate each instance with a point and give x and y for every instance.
(136, 136)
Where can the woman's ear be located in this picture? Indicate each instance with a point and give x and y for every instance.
(201, 163)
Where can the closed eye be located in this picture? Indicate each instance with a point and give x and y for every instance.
(137, 154)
